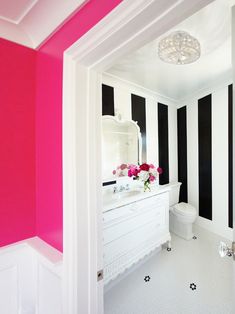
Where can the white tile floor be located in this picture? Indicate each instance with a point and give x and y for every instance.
(171, 273)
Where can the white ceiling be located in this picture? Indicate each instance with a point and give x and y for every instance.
(30, 22)
(212, 27)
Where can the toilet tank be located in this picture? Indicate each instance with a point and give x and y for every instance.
(174, 193)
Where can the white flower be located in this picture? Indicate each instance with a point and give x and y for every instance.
(125, 172)
(143, 175)
(118, 173)
(153, 172)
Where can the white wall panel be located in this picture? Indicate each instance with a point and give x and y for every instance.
(152, 131)
(49, 294)
(173, 152)
(220, 161)
(192, 152)
(122, 101)
(9, 292)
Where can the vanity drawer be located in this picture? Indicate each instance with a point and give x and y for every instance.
(118, 214)
(155, 215)
(127, 243)
(154, 201)
(139, 207)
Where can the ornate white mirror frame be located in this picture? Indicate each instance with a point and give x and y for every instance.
(121, 144)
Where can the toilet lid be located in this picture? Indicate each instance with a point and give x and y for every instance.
(185, 209)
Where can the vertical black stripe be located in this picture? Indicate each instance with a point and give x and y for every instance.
(163, 149)
(139, 115)
(205, 157)
(182, 153)
(230, 156)
(107, 100)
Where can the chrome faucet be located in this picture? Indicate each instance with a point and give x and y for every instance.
(122, 188)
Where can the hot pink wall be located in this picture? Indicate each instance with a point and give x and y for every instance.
(17, 142)
(49, 118)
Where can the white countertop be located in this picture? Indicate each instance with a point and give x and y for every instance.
(114, 200)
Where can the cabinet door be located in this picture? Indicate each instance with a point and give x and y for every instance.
(133, 231)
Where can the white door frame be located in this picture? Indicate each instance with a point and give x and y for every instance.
(128, 27)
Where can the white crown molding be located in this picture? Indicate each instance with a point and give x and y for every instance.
(209, 89)
(232, 2)
(102, 31)
(144, 90)
(30, 29)
(178, 103)
(22, 15)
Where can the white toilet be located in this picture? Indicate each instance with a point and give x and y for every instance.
(182, 215)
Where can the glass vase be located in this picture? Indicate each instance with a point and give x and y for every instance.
(147, 186)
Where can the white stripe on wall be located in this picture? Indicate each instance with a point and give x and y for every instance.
(172, 138)
(152, 131)
(219, 223)
(192, 153)
(220, 161)
(122, 101)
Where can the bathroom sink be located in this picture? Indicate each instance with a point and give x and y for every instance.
(119, 196)
(126, 194)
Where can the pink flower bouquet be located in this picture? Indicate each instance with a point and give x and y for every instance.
(147, 173)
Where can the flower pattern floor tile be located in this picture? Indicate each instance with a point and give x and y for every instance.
(192, 279)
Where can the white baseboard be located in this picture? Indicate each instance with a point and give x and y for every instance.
(226, 233)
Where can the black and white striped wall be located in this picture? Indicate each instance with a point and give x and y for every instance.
(191, 141)
(205, 157)
(157, 119)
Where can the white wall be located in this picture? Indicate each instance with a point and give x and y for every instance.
(219, 223)
(122, 100)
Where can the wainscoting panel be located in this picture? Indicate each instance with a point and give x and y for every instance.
(30, 278)
(9, 292)
(49, 294)
(17, 294)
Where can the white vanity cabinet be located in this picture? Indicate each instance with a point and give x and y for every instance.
(132, 231)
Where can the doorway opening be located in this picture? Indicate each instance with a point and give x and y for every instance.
(82, 122)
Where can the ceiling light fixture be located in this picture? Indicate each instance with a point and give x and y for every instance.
(179, 48)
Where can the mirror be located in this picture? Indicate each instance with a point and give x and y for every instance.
(121, 143)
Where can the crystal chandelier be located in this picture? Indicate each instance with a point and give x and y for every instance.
(179, 48)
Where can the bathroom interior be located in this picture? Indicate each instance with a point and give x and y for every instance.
(163, 241)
